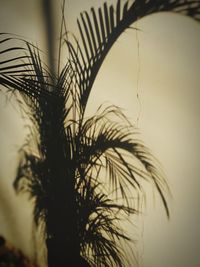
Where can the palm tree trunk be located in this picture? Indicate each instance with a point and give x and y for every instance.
(61, 221)
(62, 237)
(61, 228)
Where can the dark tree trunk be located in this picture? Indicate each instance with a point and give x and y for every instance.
(61, 224)
(60, 256)
(62, 240)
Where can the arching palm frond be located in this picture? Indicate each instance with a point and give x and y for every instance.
(100, 29)
(107, 140)
(21, 68)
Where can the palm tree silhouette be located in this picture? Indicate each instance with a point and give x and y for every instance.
(70, 163)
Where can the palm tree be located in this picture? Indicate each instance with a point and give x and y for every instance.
(67, 158)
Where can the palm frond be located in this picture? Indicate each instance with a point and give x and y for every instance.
(18, 71)
(106, 142)
(99, 31)
(99, 231)
(31, 179)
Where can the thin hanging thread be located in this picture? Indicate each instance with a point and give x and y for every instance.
(141, 261)
(138, 94)
(138, 77)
